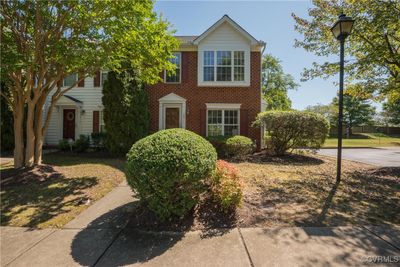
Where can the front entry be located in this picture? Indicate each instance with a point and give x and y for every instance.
(172, 118)
(69, 124)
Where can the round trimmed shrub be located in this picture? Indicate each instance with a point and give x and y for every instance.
(239, 146)
(168, 170)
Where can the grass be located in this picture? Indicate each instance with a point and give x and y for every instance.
(366, 140)
(54, 194)
(301, 191)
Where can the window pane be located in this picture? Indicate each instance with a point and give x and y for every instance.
(173, 78)
(239, 58)
(224, 58)
(231, 130)
(208, 74)
(104, 76)
(224, 74)
(231, 117)
(238, 74)
(214, 130)
(208, 58)
(215, 116)
(70, 80)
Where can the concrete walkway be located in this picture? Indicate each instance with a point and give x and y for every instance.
(100, 237)
(380, 156)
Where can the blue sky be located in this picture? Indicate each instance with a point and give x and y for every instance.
(269, 21)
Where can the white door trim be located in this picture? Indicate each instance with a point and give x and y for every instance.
(172, 101)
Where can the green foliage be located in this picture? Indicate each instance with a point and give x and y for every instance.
(392, 109)
(63, 145)
(275, 84)
(239, 146)
(98, 140)
(226, 187)
(126, 111)
(218, 143)
(292, 129)
(356, 111)
(6, 126)
(372, 46)
(82, 143)
(168, 169)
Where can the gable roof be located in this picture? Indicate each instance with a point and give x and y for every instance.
(231, 22)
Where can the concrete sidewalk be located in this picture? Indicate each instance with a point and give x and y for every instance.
(100, 237)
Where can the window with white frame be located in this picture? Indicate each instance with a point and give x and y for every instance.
(222, 122)
(104, 75)
(223, 66)
(70, 79)
(174, 77)
(102, 124)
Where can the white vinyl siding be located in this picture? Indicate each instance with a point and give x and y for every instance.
(91, 101)
(227, 40)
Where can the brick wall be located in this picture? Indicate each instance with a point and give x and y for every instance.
(196, 97)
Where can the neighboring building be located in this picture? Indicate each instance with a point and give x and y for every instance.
(216, 89)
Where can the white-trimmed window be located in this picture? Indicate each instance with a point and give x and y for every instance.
(104, 75)
(70, 80)
(222, 122)
(174, 77)
(102, 125)
(223, 66)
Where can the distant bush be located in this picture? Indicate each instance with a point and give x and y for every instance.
(63, 145)
(82, 143)
(226, 186)
(239, 146)
(98, 140)
(287, 130)
(168, 170)
(218, 143)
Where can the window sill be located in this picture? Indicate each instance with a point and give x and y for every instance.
(223, 84)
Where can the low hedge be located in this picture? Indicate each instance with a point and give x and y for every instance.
(168, 170)
(239, 146)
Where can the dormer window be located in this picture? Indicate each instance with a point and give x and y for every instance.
(223, 66)
(174, 77)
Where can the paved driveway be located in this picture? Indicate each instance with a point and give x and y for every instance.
(387, 157)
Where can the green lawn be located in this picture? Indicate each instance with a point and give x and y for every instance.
(366, 140)
(53, 194)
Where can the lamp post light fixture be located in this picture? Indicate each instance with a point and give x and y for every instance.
(341, 30)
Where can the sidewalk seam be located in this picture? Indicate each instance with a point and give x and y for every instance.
(245, 247)
(105, 250)
(372, 232)
(36, 243)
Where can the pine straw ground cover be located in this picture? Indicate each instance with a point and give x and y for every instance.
(53, 194)
(300, 190)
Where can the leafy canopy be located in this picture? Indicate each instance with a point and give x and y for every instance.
(372, 50)
(275, 84)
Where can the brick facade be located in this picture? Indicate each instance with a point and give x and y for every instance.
(197, 97)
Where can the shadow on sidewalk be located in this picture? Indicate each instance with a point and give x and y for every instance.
(128, 245)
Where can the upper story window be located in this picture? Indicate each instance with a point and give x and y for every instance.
(104, 75)
(226, 66)
(174, 77)
(70, 79)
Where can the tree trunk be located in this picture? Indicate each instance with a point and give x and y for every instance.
(39, 133)
(19, 135)
(30, 136)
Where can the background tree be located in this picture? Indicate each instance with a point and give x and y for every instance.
(392, 108)
(356, 112)
(6, 126)
(126, 111)
(372, 50)
(328, 111)
(275, 84)
(45, 41)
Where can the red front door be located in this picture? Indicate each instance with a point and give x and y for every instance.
(69, 124)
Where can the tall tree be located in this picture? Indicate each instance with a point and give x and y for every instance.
(45, 41)
(392, 109)
(373, 49)
(356, 112)
(275, 84)
(126, 111)
(328, 111)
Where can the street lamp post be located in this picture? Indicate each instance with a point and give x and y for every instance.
(341, 29)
